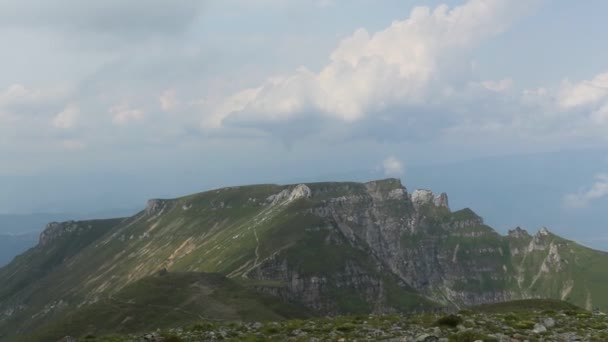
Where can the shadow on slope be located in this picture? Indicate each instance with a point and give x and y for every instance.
(169, 299)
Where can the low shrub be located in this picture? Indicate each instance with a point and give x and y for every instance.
(451, 321)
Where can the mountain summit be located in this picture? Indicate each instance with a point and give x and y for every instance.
(325, 248)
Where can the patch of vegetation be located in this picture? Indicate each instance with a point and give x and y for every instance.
(529, 305)
(451, 321)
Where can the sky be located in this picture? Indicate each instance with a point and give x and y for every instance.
(106, 103)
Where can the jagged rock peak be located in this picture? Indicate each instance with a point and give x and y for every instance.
(54, 230)
(441, 200)
(422, 196)
(518, 233)
(543, 232)
(300, 191)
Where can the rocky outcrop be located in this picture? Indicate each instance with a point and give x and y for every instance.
(55, 230)
(422, 197)
(405, 237)
(519, 233)
(427, 197)
(441, 200)
(155, 206)
(289, 195)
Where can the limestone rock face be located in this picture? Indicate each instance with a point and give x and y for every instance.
(427, 197)
(441, 200)
(405, 235)
(55, 230)
(299, 191)
(422, 197)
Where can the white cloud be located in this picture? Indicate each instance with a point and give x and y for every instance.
(583, 198)
(580, 106)
(408, 63)
(67, 118)
(122, 115)
(585, 93)
(393, 166)
(168, 100)
(18, 95)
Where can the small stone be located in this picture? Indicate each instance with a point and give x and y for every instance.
(539, 328)
(549, 322)
(427, 338)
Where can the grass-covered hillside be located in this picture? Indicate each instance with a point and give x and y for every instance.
(167, 300)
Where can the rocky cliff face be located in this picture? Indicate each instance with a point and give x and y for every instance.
(414, 238)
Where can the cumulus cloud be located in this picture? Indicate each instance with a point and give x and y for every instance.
(581, 106)
(123, 115)
(592, 92)
(393, 166)
(583, 198)
(19, 102)
(409, 63)
(67, 118)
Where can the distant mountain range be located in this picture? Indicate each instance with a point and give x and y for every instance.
(312, 248)
(12, 245)
(19, 232)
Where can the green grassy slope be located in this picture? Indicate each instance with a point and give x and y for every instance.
(550, 266)
(166, 300)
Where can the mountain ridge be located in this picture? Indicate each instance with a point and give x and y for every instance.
(332, 247)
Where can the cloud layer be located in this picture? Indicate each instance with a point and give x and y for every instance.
(584, 198)
(418, 61)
